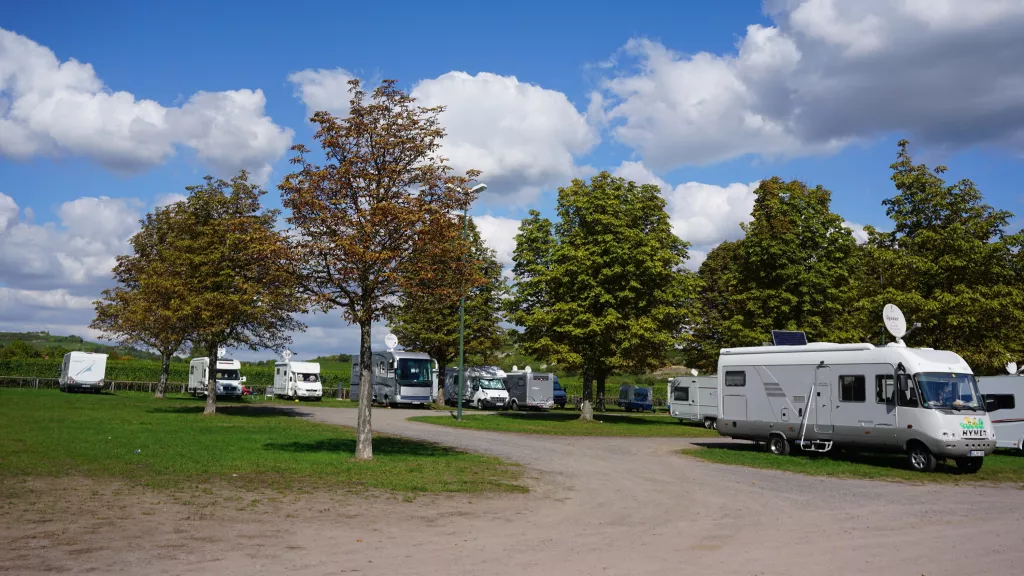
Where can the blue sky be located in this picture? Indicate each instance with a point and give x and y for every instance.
(704, 99)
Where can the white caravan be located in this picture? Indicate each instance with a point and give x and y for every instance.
(228, 377)
(297, 380)
(483, 387)
(1000, 394)
(82, 371)
(694, 398)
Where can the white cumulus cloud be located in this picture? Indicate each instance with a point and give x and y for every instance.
(826, 74)
(50, 107)
(323, 89)
(499, 234)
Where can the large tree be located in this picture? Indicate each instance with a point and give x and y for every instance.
(442, 269)
(357, 216)
(238, 275)
(147, 307)
(604, 289)
(951, 264)
(793, 270)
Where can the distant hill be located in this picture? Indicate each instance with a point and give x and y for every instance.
(44, 341)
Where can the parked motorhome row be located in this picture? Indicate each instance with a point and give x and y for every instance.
(227, 376)
(819, 396)
(82, 371)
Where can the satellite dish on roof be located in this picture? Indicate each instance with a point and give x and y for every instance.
(221, 351)
(528, 369)
(287, 354)
(694, 371)
(894, 320)
(1011, 367)
(391, 341)
(515, 368)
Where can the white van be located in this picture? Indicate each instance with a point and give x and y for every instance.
(82, 371)
(298, 380)
(483, 387)
(228, 377)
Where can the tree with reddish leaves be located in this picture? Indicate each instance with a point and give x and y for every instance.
(357, 217)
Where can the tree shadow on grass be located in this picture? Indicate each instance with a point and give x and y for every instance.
(234, 410)
(569, 417)
(381, 446)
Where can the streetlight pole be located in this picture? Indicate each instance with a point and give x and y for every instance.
(462, 308)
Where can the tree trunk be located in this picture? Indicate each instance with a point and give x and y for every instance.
(587, 414)
(364, 432)
(165, 368)
(602, 376)
(441, 367)
(211, 380)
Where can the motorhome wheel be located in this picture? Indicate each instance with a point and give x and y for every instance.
(920, 457)
(514, 405)
(778, 445)
(969, 465)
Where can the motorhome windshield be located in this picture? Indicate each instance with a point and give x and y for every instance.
(489, 383)
(413, 370)
(947, 390)
(227, 374)
(299, 377)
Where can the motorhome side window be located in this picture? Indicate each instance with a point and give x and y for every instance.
(851, 389)
(1003, 401)
(681, 394)
(883, 389)
(735, 378)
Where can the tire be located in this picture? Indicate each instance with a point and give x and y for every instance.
(778, 445)
(707, 423)
(969, 465)
(513, 405)
(714, 424)
(920, 458)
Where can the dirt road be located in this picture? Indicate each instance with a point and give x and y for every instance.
(599, 506)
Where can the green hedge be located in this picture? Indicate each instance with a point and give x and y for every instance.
(149, 371)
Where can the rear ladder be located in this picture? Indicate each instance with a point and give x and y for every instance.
(811, 445)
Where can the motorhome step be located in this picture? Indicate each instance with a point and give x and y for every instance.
(815, 446)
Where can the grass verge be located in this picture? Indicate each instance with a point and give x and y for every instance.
(569, 424)
(998, 467)
(170, 444)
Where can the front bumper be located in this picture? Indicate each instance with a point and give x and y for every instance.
(961, 448)
(309, 393)
(493, 403)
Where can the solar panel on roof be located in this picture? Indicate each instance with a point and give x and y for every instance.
(788, 338)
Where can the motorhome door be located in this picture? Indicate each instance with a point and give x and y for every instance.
(823, 399)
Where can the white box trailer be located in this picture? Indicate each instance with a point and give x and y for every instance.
(228, 377)
(82, 371)
(1000, 393)
(694, 398)
(920, 401)
(296, 380)
(398, 377)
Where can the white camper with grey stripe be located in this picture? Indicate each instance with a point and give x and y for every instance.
(819, 396)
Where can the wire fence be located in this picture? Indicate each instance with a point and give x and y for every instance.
(133, 386)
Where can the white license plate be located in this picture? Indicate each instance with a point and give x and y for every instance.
(976, 453)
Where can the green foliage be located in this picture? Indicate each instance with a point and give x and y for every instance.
(950, 264)
(428, 321)
(604, 289)
(49, 345)
(793, 270)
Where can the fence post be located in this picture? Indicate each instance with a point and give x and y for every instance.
(37, 383)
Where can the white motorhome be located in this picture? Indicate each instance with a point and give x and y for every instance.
(1000, 393)
(920, 401)
(483, 387)
(399, 377)
(82, 371)
(298, 380)
(228, 377)
(694, 398)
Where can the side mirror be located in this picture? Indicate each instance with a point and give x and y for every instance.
(991, 405)
(904, 382)
(476, 387)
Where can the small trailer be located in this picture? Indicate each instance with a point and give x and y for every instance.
(228, 377)
(82, 371)
(528, 389)
(694, 398)
(1000, 393)
(297, 380)
(633, 397)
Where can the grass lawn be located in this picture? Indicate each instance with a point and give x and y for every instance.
(999, 467)
(170, 444)
(568, 424)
